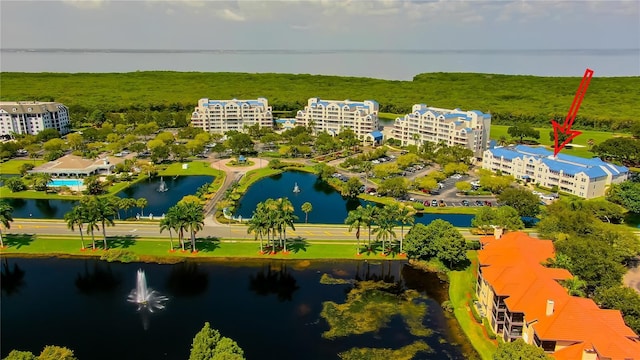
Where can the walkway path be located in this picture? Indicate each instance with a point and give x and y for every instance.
(233, 175)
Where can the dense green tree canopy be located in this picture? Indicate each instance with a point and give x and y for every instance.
(439, 239)
(522, 131)
(519, 350)
(524, 201)
(209, 344)
(626, 194)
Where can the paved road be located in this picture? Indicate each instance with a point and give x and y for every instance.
(140, 229)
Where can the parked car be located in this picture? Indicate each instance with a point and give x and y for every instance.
(434, 202)
(435, 192)
(479, 203)
(465, 202)
(426, 203)
(442, 203)
(456, 176)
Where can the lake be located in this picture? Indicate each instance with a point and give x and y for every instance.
(329, 207)
(272, 309)
(158, 202)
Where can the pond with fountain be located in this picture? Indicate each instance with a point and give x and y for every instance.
(274, 310)
(329, 207)
(160, 192)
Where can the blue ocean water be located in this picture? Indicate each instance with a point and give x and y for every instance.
(382, 64)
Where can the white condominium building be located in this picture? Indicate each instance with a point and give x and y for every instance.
(587, 178)
(220, 116)
(333, 115)
(31, 117)
(452, 127)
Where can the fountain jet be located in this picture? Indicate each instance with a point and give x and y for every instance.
(144, 296)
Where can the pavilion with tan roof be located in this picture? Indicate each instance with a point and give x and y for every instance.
(523, 299)
(72, 166)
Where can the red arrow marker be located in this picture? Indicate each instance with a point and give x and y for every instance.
(565, 128)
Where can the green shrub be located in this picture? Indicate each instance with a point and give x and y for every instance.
(474, 312)
(492, 335)
(120, 255)
(473, 245)
(418, 206)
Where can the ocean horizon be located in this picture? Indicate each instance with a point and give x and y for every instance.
(388, 64)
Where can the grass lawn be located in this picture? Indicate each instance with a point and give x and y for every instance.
(254, 175)
(461, 285)
(159, 247)
(597, 136)
(195, 168)
(13, 166)
(32, 194)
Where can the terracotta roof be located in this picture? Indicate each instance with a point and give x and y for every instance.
(512, 265)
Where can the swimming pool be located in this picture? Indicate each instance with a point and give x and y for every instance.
(66, 182)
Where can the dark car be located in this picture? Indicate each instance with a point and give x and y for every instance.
(465, 202)
(479, 203)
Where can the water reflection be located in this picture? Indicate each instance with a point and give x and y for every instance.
(187, 279)
(274, 281)
(46, 208)
(11, 279)
(100, 280)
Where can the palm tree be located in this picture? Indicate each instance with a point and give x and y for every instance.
(355, 220)
(177, 222)
(286, 218)
(167, 224)
(386, 222)
(366, 167)
(405, 216)
(369, 213)
(107, 207)
(142, 203)
(503, 140)
(591, 142)
(75, 218)
(258, 224)
(89, 211)
(194, 220)
(6, 217)
(306, 208)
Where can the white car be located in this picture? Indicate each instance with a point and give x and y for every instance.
(456, 176)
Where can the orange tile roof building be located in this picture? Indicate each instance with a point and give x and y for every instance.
(521, 298)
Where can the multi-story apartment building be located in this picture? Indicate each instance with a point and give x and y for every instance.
(587, 178)
(469, 129)
(522, 299)
(220, 116)
(332, 116)
(31, 117)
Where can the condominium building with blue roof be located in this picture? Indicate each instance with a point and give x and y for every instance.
(586, 178)
(334, 115)
(469, 129)
(220, 116)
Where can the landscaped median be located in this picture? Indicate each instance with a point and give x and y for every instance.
(152, 249)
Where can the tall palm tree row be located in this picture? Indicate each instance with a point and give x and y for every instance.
(271, 217)
(355, 220)
(386, 219)
(184, 216)
(6, 217)
(75, 219)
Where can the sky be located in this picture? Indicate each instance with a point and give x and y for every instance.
(320, 24)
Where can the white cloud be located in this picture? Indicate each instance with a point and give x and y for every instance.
(86, 4)
(230, 15)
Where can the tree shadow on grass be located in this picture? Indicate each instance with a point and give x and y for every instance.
(17, 240)
(374, 249)
(122, 242)
(208, 244)
(297, 245)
